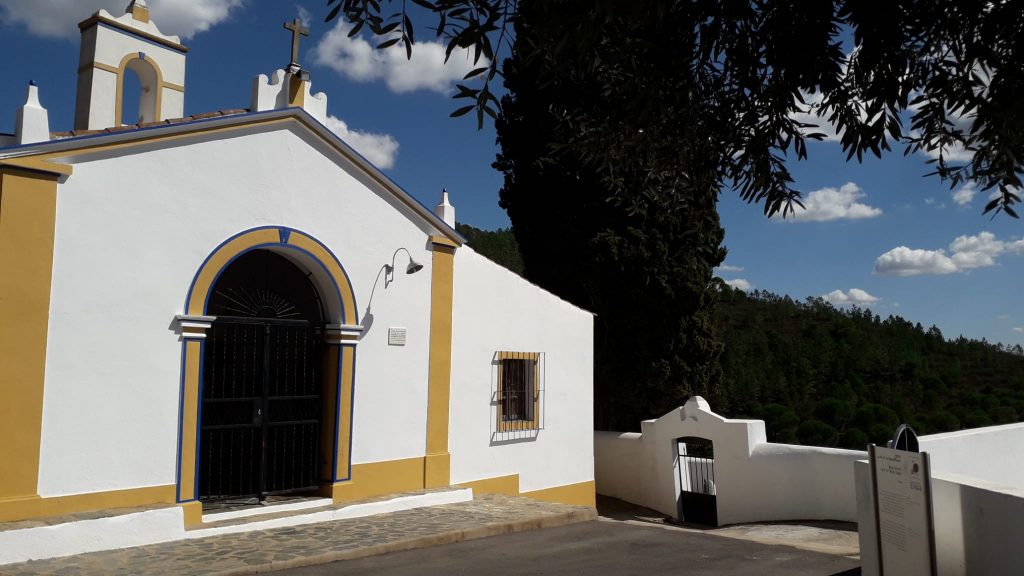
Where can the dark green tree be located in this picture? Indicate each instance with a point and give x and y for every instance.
(633, 240)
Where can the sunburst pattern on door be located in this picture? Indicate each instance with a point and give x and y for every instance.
(257, 303)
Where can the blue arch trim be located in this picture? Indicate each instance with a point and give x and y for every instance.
(284, 233)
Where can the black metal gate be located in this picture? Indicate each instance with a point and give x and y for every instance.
(261, 403)
(261, 408)
(695, 461)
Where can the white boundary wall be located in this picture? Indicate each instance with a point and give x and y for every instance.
(978, 525)
(977, 501)
(755, 480)
(993, 454)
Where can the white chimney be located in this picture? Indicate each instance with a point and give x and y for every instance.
(33, 122)
(445, 211)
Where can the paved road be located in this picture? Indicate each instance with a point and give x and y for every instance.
(604, 548)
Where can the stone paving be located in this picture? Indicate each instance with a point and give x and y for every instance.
(268, 550)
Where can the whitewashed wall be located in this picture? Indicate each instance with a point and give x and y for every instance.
(496, 310)
(992, 454)
(131, 233)
(755, 480)
(978, 527)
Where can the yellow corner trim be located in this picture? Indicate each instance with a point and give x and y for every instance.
(34, 164)
(28, 208)
(443, 241)
(193, 512)
(439, 374)
(581, 494)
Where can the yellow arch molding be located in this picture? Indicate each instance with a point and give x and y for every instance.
(339, 363)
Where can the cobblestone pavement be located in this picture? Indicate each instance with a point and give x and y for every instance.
(276, 549)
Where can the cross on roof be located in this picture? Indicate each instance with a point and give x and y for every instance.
(297, 30)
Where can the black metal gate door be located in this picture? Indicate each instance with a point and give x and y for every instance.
(695, 460)
(261, 408)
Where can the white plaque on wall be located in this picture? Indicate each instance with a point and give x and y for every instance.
(396, 336)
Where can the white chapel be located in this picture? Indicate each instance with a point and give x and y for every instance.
(235, 306)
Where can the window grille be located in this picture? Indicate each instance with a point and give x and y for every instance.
(519, 393)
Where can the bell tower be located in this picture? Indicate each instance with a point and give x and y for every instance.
(113, 46)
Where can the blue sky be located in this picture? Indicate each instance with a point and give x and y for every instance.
(877, 234)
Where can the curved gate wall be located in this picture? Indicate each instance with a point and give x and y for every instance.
(755, 480)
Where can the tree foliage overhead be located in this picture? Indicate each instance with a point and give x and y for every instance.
(623, 121)
(924, 75)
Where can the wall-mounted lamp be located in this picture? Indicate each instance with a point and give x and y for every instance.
(389, 269)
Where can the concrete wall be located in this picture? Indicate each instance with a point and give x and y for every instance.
(496, 310)
(755, 480)
(978, 525)
(131, 233)
(993, 454)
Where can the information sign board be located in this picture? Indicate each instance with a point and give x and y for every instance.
(903, 511)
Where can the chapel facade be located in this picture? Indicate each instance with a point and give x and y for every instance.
(237, 306)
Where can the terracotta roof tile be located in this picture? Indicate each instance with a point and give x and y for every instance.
(127, 127)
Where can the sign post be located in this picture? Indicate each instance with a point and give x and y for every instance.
(901, 482)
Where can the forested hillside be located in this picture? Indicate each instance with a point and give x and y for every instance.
(828, 376)
(836, 377)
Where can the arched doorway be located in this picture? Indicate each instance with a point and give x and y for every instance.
(695, 472)
(262, 381)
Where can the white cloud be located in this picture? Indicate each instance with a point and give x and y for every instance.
(60, 18)
(728, 268)
(361, 61)
(740, 284)
(380, 149)
(965, 253)
(1003, 317)
(829, 204)
(964, 194)
(1018, 329)
(854, 296)
(903, 261)
(976, 251)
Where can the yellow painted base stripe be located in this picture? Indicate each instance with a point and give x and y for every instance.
(37, 507)
(581, 494)
(379, 479)
(498, 485)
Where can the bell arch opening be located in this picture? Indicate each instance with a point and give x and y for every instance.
(139, 91)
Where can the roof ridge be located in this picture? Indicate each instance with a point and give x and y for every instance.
(168, 121)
